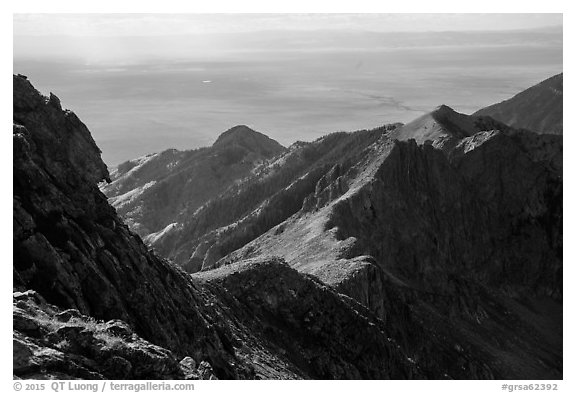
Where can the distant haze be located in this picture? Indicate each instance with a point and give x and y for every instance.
(145, 83)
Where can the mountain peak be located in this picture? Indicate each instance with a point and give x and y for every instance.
(239, 130)
(244, 136)
(235, 133)
(443, 121)
(443, 110)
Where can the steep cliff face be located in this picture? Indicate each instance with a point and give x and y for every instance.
(523, 194)
(463, 237)
(90, 301)
(538, 108)
(492, 212)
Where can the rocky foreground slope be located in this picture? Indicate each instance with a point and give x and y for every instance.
(538, 108)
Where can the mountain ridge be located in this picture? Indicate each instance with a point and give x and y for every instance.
(271, 194)
(538, 108)
(417, 187)
(443, 127)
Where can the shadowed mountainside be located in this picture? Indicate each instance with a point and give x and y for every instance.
(460, 232)
(538, 108)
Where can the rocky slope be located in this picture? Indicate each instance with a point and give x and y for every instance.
(464, 236)
(90, 301)
(538, 108)
(152, 193)
(321, 332)
(51, 343)
(444, 127)
(273, 192)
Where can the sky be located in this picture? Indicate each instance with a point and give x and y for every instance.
(179, 24)
(115, 38)
(144, 83)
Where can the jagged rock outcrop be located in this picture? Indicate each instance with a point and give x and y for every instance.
(443, 128)
(50, 343)
(339, 339)
(538, 108)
